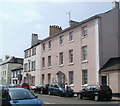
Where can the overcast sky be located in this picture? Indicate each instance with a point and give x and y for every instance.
(18, 20)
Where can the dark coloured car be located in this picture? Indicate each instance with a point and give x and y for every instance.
(59, 89)
(96, 92)
(19, 97)
(24, 85)
(42, 88)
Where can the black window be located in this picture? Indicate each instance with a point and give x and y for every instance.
(56, 86)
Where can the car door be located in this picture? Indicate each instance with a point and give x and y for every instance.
(92, 91)
(51, 88)
(86, 91)
(56, 89)
(5, 98)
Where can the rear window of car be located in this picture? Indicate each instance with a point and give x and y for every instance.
(105, 88)
(25, 84)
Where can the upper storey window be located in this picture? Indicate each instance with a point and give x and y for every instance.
(61, 40)
(49, 44)
(71, 36)
(84, 53)
(43, 46)
(84, 31)
(33, 51)
(26, 54)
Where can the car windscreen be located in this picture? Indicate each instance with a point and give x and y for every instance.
(20, 94)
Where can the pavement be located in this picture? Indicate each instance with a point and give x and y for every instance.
(116, 98)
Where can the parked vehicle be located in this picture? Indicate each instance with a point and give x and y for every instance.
(59, 89)
(24, 85)
(2, 86)
(96, 92)
(19, 96)
(13, 85)
(42, 88)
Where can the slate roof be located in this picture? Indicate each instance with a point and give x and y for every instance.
(112, 64)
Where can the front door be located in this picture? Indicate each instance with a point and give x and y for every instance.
(61, 77)
(104, 80)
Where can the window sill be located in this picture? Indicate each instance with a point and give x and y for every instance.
(62, 44)
(49, 48)
(61, 65)
(69, 64)
(84, 85)
(43, 68)
(84, 36)
(71, 85)
(49, 67)
(71, 41)
(33, 70)
(85, 61)
(43, 51)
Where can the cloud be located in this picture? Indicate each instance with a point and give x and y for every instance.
(21, 15)
(31, 15)
(38, 26)
(57, 0)
(5, 15)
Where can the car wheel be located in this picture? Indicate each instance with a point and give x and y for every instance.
(80, 96)
(96, 98)
(109, 99)
(49, 93)
(60, 94)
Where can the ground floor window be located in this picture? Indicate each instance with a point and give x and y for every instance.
(71, 77)
(33, 80)
(84, 77)
(43, 78)
(49, 78)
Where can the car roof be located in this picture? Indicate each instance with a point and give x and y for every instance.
(16, 89)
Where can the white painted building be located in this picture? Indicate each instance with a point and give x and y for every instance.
(5, 68)
(32, 62)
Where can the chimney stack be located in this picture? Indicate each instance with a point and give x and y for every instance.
(115, 4)
(34, 39)
(54, 29)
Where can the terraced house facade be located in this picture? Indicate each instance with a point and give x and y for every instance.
(76, 54)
